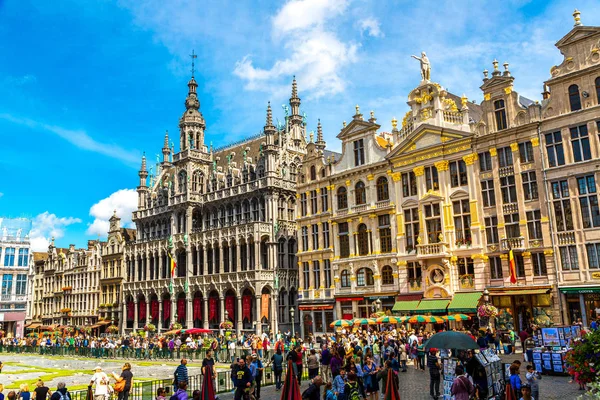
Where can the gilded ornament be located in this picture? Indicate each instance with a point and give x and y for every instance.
(348, 183)
(514, 147)
(464, 100)
(442, 165)
(544, 220)
(425, 114)
(548, 252)
(424, 99)
(406, 119)
(535, 142)
(450, 105)
(370, 177)
(470, 159)
(396, 176)
(493, 152)
(508, 90)
(419, 171)
(487, 96)
(395, 123)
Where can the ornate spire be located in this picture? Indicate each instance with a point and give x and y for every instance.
(269, 127)
(320, 143)
(358, 115)
(577, 17)
(295, 117)
(506, 71)
(166, 150)
(143, 168)
(372, 118)
(294, 88)
(166, 144)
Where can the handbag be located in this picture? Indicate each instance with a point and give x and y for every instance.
(119, 386)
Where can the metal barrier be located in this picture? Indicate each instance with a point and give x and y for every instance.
(143, 390)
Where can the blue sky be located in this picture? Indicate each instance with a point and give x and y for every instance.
(86, 89)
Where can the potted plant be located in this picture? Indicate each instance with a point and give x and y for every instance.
(112, 329)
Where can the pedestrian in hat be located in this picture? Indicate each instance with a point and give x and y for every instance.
(100, 379)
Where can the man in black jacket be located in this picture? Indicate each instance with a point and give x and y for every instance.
(241, 377)
(313, 391)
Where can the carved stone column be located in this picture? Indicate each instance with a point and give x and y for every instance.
(205, 311)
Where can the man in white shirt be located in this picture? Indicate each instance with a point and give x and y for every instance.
(100, 379)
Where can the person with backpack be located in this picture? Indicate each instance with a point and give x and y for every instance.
(180, 374)
(462, 388)
(339, 384)
(277, 362)
(313, 390)
(61, 392)
(433, 363)
(352, 389)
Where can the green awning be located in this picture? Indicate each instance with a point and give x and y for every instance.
(464, 302)
(407, 305)
(578, 290)
(432, 306)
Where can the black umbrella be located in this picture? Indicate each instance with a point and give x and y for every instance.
(451, 340)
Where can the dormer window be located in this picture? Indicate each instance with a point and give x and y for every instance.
(574, 99)
(500, 113)
(359, 152)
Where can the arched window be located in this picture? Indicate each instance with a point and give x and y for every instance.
(500, 113)
(345, 278)
(598, 89)
(360, 194)
(313, 173)
(383, 192)
(387, 275)
(323, 169)
(363, 240)
(198, 182)
(364, 277)
(342, 198)
(574, 99)
(182, 184)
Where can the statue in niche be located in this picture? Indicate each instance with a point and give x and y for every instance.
(425, 66)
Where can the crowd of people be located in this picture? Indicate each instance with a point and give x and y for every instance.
(352, 364)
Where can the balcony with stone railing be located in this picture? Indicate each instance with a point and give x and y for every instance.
(506, 171)
(517, 243)
(431, 250)
(453, 117)
(383, 204)
(564, 238)
(510, 208)
(342, 212)
(360, 208)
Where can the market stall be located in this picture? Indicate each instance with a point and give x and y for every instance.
(551, 346)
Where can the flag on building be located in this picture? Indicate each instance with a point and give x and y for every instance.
(512, 266)
(173, 266)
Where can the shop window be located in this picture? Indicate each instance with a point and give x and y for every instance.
(541, 300)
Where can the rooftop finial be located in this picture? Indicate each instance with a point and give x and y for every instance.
(193, 56)
(496, 71)
(372, 118)
(394, 124)
(166, 144)
(506, 71)
(485, 74)
(319, 132)
(269, 115)
(577, 17)
(143, 162)
(294, 88)
(357, 109)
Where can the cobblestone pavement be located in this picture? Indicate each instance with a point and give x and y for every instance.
(414, 385)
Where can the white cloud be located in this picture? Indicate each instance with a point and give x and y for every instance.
(46, 226)
(79, 139)
(371, 26)
(316, 54)
(124, 201)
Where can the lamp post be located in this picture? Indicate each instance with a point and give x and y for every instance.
(486, 296)
(377, 304)
(226, 315)
(293, 322)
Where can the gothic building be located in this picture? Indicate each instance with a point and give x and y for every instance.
(226, 218)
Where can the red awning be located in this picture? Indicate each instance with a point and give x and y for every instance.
(339, 299)
(314, 308)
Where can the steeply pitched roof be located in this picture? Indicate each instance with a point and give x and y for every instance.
(40, 256)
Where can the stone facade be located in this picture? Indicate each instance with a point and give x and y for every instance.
(569, 137)
(67, 285)
(15, 262)
(113, 270)
(226, 218)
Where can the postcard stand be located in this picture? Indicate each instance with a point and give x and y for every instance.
(552, 344)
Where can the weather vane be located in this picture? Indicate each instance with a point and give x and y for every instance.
(193, 56)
